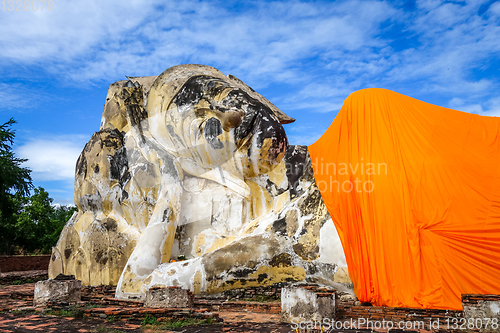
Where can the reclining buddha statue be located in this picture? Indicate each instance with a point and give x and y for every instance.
(196, 164)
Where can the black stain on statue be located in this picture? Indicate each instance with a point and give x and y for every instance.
(102, 257)
(262, 277)
(279, 226)
(67, 252)
(298, 169)
(213, 128)
(191, 91)
(281, 260)
(110, 224)
(119, 166)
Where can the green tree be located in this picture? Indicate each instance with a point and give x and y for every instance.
(39, 224)
(15, 182)
(61, 215)
(28, 223)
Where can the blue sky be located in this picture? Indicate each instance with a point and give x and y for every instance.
(306, 57)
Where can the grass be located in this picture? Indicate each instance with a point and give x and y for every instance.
(22, 312)
(102, 329)
(23, 281)
(173, 324)
(150, 322)
(73, 311)
(112, 319)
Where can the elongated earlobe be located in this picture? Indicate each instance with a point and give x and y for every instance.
(231, 119)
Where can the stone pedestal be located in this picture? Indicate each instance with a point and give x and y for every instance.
(170, 297)
(481, 312)
(57, 291)
(307, 304)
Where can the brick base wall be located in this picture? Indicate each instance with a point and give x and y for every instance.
(24, 263)
(394, 314)
(273, 291)
(475, 299)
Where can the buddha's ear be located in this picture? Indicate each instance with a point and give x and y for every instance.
(231, 119)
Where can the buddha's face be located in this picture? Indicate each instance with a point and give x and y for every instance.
(233, 124)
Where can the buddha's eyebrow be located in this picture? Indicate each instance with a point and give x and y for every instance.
(216, 82)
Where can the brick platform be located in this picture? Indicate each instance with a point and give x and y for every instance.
(162, 314)
(23, 277)
(217, 307)
(14, 297)
(24, 263)
(129, 310)
(475, 299)
(272, 291)
(271, 307)
(169, 297)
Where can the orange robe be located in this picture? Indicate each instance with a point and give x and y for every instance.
(414, 192)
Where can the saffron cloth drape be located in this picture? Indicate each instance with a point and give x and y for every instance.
(414, 192)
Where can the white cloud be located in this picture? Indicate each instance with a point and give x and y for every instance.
(52, 159)
(69, 30)
(453, 41)
(344, 46)
(317, 97)
(13, 97)
(494, 9)
(493, 107)
(91, 40)
(490, 107)
(304, 134)
(457, 103)
(323, 51)
(305, 140)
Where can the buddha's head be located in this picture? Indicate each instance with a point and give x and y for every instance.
(217, 121)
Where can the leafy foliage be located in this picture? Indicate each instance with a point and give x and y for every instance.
(27, 223)
(15, 182)
(39, 224)
(12, 176)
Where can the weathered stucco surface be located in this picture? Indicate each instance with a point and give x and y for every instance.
(57, 291)
(171, 297)
(195, 163)
(299, 305)
(484, 315)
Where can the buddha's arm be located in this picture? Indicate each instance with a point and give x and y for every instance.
(155, 244)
